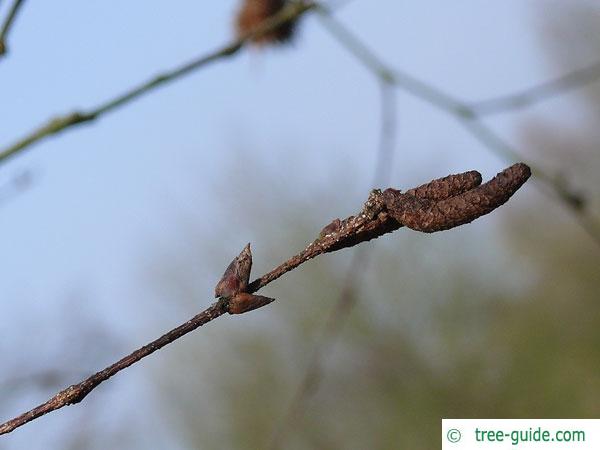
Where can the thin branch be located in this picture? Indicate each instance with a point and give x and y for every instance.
(436, 206)
(555, 186)
(290, 12)
(374, 64)
(7, 25)
(77, 392)
(465, 115)
(440, 192)
(538, 93)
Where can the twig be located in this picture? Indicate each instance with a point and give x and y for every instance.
(465, 115)
(8, 22)
(291, 12)
(538, 93)
(438, 205)
(77, 392)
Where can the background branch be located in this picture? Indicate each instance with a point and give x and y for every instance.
(387, 134)
(537, 93)
(289, 13)
(7, 25)
(349, 293)
(372, 221)
(334, 324)
(468, 117)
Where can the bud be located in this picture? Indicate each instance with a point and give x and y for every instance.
(236, 277)
(244, 302)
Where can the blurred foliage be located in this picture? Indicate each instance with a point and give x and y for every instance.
(496, 319)
(429, 339)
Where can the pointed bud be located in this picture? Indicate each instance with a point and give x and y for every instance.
(236, 277)
(244, 302)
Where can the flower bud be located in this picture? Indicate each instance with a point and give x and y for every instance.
(236, 276)
(244, 302)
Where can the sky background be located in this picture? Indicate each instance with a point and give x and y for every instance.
(109, 198)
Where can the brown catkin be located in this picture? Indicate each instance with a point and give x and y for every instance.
(429, 216)
(447, 187)
(253, 12)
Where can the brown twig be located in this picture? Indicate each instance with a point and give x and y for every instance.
(77, 392)
(292, 11)
(8, 22)
(380, 215)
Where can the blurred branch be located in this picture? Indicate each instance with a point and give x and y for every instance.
(538, 93)
(555, 186)
(439, 205)
(348, 297)
(465, 115)
(387, 134)
(7, 25)
(77, 392)
(331, 330)
(292, 11)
